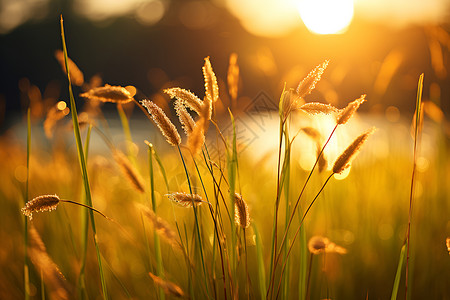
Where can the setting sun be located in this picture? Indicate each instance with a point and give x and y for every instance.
(326, 16)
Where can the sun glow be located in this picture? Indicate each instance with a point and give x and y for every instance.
(326, 16)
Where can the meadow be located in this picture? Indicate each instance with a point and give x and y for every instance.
(186, 204)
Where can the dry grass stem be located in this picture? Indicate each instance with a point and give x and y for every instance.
(185, 118)
(233, 77)
(55, 281)
(40, 204)
(185, 200)
(346, 113)
(319, 244)
(345, 159)
(309, 82)
(241, 213)
(187, 98)
(197, 138)
(168, 130)
(109, 93)
(76, 76)
(315, 108)
(168, 287)
(54, 114)
(130, 172)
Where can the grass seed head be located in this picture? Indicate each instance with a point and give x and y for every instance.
(319, 244)
(346, 113)
(197, 138)
(109, 93)
(168, 130)
(241, 213)
(345, 159)
(185, 118)
(447, 241)
(233, 76)
(54, 279)
(187, 98)
(309, 82)
(161, 227)
(40, 204)
(168, 287)
(211, 86)
(130, 172)
(316, 108)
(185, 199)
(76, 76)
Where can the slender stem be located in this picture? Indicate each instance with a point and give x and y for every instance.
(26, 275)
(298, 230)
(196, 220)
(89, 207)
(215, 228)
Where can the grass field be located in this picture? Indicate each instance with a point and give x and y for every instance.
(155, 247)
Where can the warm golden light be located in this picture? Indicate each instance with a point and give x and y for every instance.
(326, 16)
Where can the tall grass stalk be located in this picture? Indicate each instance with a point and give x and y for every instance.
(197, 227)
(298, 229)
(232, 172)
(82, 293)
(216, 231)
(159, 261)
(26, 274)
(417, 133)
(82, 161)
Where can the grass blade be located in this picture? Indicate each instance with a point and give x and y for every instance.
(398, 274)
(82, 161)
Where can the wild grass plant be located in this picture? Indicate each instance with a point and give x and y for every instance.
(187, 223)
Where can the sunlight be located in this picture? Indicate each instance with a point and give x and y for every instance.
(326, 16)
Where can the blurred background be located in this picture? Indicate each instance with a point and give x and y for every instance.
(374, 47)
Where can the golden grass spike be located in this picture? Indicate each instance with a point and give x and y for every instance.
(130, 172)
(168, 130)
(315, 108)
(233, 77)
(346, 113)
(187, 98)
(309, 82)
(54, 114)
(211, 86)
(290, 102)
(185, 118)
(160, 226)
(319, 244)
(76, 76)
(168, 287)
(109, 93)
(184, 199)
(40, 204)
(346, 158)
(55, 281)
(241, 213)
(197, 137)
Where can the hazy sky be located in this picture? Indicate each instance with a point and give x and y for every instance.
(260, 17)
